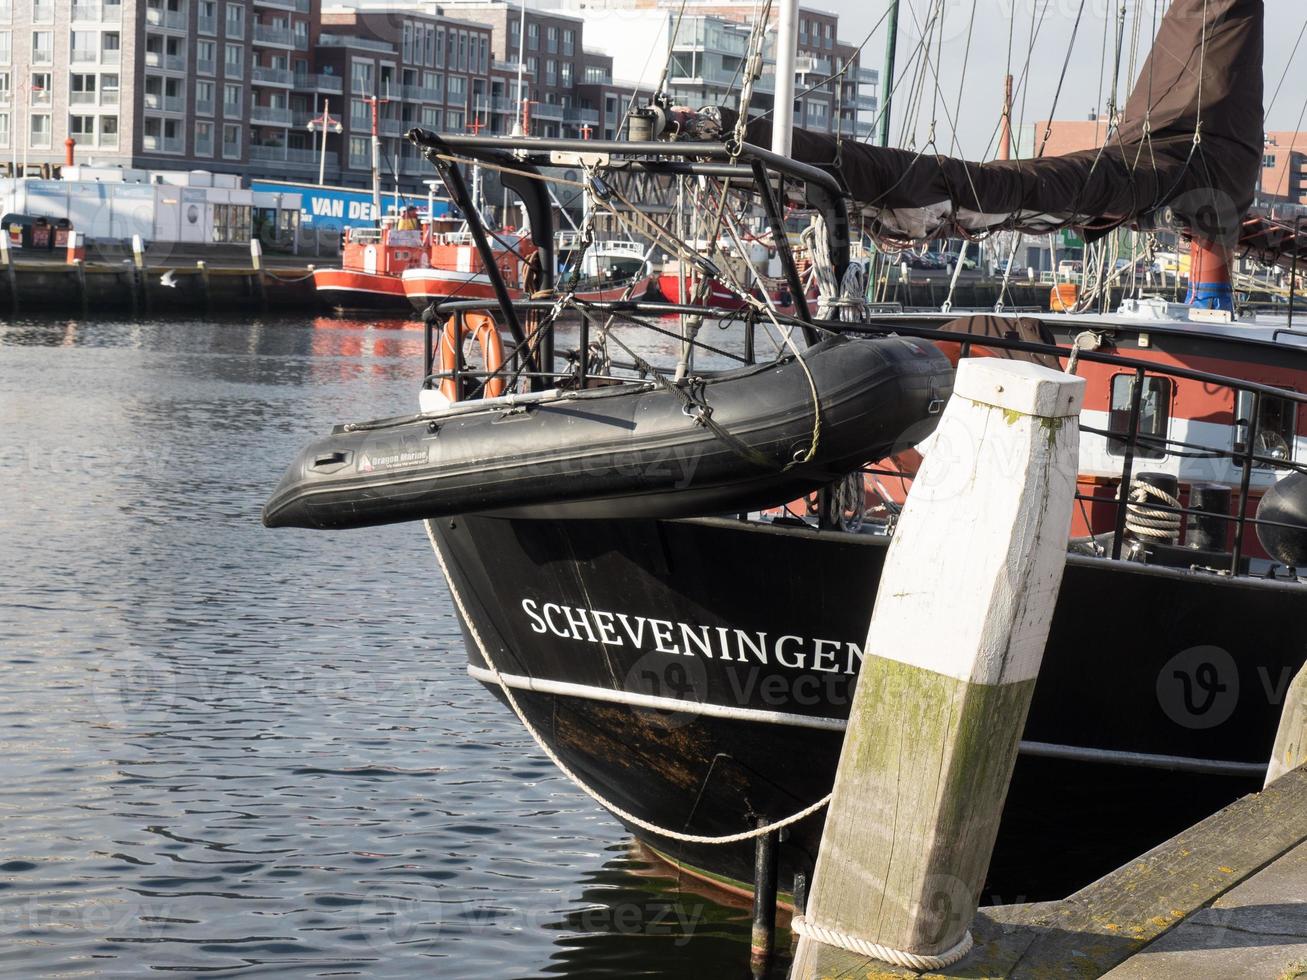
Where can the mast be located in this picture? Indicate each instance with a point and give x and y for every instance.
(787, 49)
(887, 81)
(1005, 130)
(376, 163)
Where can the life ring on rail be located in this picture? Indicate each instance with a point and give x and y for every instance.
(482, 326)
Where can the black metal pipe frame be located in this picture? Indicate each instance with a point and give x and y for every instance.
(1293, 269)
(1245, 483)
(777, 223)
(1128, 464)
(453, 178)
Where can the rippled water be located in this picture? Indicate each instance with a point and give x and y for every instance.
(235, 751)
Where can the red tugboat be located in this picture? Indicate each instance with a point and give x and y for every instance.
(372, 263)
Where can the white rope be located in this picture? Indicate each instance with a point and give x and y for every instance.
(580, 784)
(875, 951)
(1149, 522)
(846, 298)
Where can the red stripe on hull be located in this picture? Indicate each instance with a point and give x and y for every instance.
(350, 289)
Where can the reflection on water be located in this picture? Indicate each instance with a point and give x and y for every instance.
(239, 751)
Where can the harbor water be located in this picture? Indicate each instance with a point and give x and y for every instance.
(237, 752)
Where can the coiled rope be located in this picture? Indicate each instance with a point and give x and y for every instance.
(1151, 522)
(886, 954)
(845, 298)
(624, 815)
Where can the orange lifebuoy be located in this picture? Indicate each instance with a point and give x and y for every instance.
(482, 326)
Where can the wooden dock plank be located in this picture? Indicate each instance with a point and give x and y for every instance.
(1106, 923)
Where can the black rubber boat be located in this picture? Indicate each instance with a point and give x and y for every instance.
(633, 450)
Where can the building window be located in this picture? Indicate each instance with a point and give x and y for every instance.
(85, 46)
(39, 92)
(456, 90)
(205, 53)
(4, 129)
(43, 48)
(1268, 161)
(360, 152)
(454, 121)
(569, 42)
(108, 93)
(6, 47)
(231, 99)
(431, 118)
(82, 129)
(110, 45)
(109, 132)
(533, 36)
(235, 20)
(234, 60)
(231, 140)
(567, 74)
(40, 131)
(551, 40)
(204, 139)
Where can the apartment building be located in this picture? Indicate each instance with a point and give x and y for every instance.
(708, 41)
(555, 65)
(1284, 168)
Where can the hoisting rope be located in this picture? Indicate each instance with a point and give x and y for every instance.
(624, 815)
(845, 299)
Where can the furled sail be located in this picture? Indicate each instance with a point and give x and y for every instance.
(1189, 143)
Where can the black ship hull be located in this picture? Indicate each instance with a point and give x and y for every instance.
(699, 673)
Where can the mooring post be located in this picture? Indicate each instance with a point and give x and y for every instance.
(764, 900)
(953, 651)
(1291, 738)
(256, 258)
(11, 274)
(140, 296)
(202, 268)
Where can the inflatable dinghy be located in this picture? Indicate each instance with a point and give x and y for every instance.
(634, 450)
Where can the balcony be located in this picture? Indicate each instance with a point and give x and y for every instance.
(267, 115)
(390, 127)
(204, 107)
(81, 56)
(206, 25)
(109, 96)
(42, 13)
(43, 57)
(291, 158)
(231, 151)
(205, 66)
(38, 97)
(204, 147)
(167, 19)
(417, 93)
(865, 76)
(276, 37)
(108, 141)
(271, 76)
(331, 84)
(111, 56)
(581, 116)
(87, 13)
(361, 43)
(163, 144)
(276, 5)
(80, 98)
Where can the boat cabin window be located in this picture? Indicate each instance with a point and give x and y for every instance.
(1276, 427)
(1154, 414)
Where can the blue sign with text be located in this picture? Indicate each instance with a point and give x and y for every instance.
(338, 208)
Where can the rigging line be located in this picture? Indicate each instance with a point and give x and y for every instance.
(954, 146)
(1287, 66)
(893, 91)
(1057, 94)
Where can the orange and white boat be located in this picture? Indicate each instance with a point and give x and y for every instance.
(455, 270)
(372, 262)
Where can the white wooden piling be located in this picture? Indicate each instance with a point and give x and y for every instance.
(1291, 738)
(953, 650)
